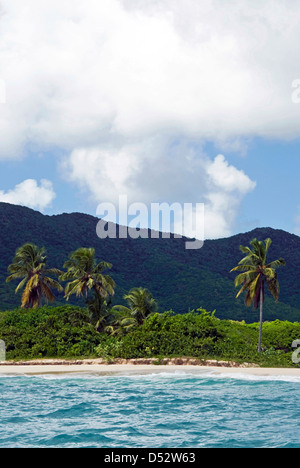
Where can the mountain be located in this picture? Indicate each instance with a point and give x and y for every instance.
(179, 279)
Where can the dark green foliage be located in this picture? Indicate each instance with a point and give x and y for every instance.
(84, 274)
(171, 335)
(48, 332)
(29, 266)
(204, 336)
(279, 334)
(65, 332)
(177, 278)
(141, 305)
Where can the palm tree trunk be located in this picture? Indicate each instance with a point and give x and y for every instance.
(260, 319)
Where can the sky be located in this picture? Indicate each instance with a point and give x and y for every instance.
(188, 101)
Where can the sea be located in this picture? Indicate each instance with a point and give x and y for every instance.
(159, 410)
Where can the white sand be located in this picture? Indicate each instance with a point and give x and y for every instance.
(128, 369)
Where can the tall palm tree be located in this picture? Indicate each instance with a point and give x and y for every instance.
(30, 265)
(84, 274)
(257, 273)
(141, 305)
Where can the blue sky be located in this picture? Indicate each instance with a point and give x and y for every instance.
(275, 166)
(186, 101)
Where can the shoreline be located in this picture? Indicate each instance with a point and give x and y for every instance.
(139, 367)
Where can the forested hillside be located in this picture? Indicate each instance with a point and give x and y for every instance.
(179, 279)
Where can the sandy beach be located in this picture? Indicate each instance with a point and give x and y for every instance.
(131, 369)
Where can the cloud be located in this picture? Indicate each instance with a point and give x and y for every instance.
(80, 72)
(227, 177)
(29, 193)
(130, 90)
(143, 175)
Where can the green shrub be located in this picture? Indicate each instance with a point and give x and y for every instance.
(48, 332)
(192, 334)
(65, 331)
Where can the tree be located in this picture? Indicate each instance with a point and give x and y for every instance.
(257, 274)
(100, 314)
(30, 265)
(84, 274)
(141, 305)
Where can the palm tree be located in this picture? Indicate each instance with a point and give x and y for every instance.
(84, 274)
(141, 305)
(257, 273)
(30, 265)
(100, 313)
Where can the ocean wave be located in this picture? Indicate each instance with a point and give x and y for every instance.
(255, 377)
(135, 375)
(211, 408)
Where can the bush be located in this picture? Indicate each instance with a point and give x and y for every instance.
(169, 335)
(48, 332)
(202, 335)
(66, 332)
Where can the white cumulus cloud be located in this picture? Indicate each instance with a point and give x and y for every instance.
(116, 85)
(29, 193)
(80, 72)
(182, 177)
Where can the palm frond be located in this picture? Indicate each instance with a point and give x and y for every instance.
(21, 285)
(247, 250)
(246, 276)
(243, 288)
(52, 283)
(52, 272)
(74, 287)
(102, 266)
(47, 293)
(269, 273)
(26, 296)
(276, 263)
(268, 243)
(273, 287)
(243, 268)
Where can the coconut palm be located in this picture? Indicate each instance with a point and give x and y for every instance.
(30, 265)
(257, 273)
(84, 274)
(141, 305)
(100, 315)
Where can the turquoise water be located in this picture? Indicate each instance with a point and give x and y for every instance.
(154, 411)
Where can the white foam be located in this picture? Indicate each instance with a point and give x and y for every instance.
(255, 377)
(204, 373)
(212, 374)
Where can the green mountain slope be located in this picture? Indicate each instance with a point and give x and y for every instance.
(180, 279)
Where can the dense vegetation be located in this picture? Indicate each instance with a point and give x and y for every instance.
(139, 328)
(66, 332)
(178, 278)
(48, 332)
